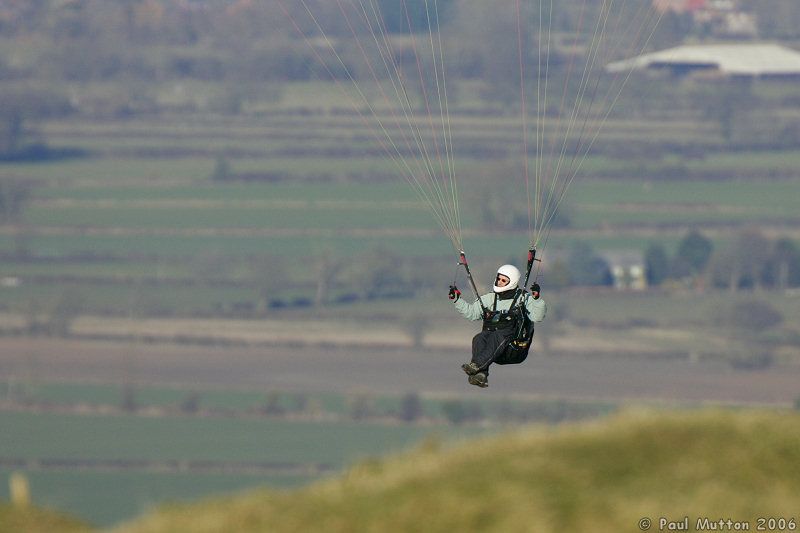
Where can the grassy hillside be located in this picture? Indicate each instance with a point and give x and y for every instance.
(32, 520)
(598, 477)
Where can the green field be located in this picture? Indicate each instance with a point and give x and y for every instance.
(105, 497)
(251, 403)
(197, 439)
(350, 207)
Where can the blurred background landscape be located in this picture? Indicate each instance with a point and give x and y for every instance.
(212, 277)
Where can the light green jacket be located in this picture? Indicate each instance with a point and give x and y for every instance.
(537, 309)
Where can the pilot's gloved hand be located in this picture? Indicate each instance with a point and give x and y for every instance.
(454, 293)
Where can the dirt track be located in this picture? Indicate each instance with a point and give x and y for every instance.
(400, 370)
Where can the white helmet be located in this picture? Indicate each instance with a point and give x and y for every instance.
(513, 275)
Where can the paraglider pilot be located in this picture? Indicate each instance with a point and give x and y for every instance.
(508, 314)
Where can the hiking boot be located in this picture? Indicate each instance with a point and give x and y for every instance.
(479, 380)
(470, 368)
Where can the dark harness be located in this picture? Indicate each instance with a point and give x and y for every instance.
(495, 320)
(520, 330)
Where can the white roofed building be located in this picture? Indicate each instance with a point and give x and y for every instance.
(756, 60)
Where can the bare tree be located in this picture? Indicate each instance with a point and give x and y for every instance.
(411, 407)
(362, 407)
(15, 196)
(66, 308)
(417, 327)
(20, 107)
(328, 269)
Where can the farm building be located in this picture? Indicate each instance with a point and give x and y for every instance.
(718, 60)
(627, 268)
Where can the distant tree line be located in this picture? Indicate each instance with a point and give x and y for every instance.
(750, 260)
